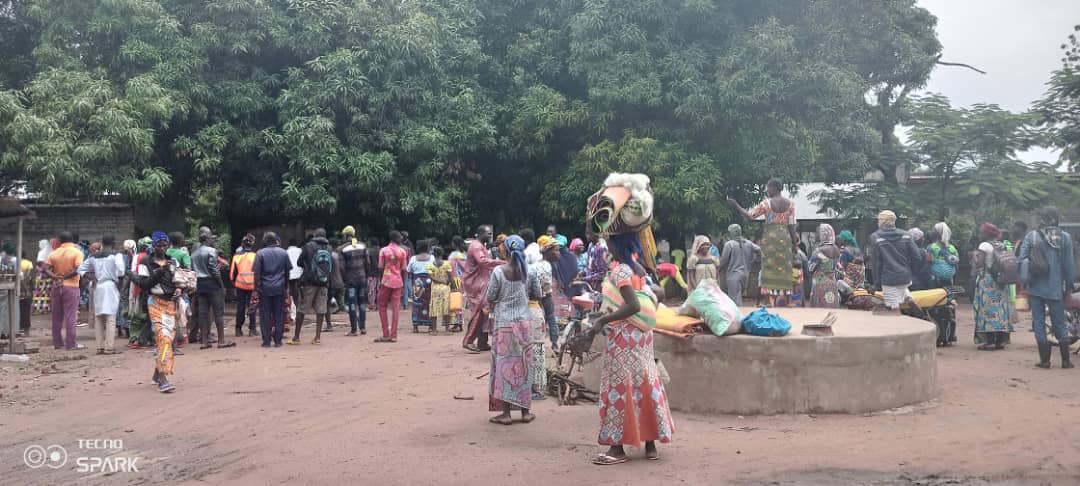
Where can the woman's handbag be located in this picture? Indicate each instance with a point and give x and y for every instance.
(455, 301)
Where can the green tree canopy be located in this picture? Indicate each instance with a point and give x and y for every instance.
(437, 114)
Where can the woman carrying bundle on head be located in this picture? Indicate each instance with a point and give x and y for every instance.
(633, 403)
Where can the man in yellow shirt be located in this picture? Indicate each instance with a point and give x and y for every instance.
(62, 267)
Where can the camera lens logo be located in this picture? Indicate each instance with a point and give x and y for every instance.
(53, 456)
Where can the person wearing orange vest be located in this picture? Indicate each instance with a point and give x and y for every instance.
(242, 274)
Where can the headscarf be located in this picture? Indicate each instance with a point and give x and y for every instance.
(129, 245)
(575, 244)
(849, 238)
(916, 234)
(826, 235)
(735, 232)
(699, 240)
(944, 233)
(157, 237)
(350, 233)
(988, 230)
(546, 243)
(515, 248)
(886, 219)
(500, 245)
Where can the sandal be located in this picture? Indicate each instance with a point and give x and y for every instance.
(383, 340)
(315, 341)
(206, 346)
(606, 460)
(226, 345)
(528, 418)
(501, 420)
(292, 342)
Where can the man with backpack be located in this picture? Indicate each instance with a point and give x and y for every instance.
(317, 262)
(1048, 270)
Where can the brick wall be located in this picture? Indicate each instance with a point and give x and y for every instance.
(89, 221)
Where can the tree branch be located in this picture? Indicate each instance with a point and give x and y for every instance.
(958, 64)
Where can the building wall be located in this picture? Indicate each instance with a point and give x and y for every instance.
(89, 221)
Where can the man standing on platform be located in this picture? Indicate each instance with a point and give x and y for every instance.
(478, 267)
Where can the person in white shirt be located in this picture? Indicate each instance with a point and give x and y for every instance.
(532, 249)
(294, 252)
(108, 268)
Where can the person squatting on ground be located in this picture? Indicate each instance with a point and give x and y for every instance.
(1047, 254)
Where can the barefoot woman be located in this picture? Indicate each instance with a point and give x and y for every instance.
(508, 294)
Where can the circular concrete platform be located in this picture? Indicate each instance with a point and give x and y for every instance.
(872, 363)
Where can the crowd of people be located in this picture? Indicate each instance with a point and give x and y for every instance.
(500, 291)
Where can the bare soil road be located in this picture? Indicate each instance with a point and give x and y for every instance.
(351, 411)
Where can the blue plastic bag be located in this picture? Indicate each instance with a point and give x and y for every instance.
(762, 323)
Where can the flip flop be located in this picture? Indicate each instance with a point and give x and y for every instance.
(606, 460)
(528, 419)
(652, 455)
(498, 419)
(227, 345)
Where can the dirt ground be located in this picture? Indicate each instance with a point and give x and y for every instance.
(351, 410)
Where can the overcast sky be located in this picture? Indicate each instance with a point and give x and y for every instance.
(1017, 42)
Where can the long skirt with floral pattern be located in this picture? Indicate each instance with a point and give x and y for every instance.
(633, 404)
(511, 356)
(992, 310)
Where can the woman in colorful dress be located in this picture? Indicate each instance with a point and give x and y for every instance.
(541, 271)
(825, 269)
(851, 260)
(443, 281)
(421, 282)
(777, 241)
(992, 306)
(633, 403)
(457, 262)
(509, 292)
(156, 274)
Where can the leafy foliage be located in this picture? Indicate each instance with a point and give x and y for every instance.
(1060, 106)
(439, 114)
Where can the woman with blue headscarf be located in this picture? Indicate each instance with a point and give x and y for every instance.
(508, 293)
(156, 277)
